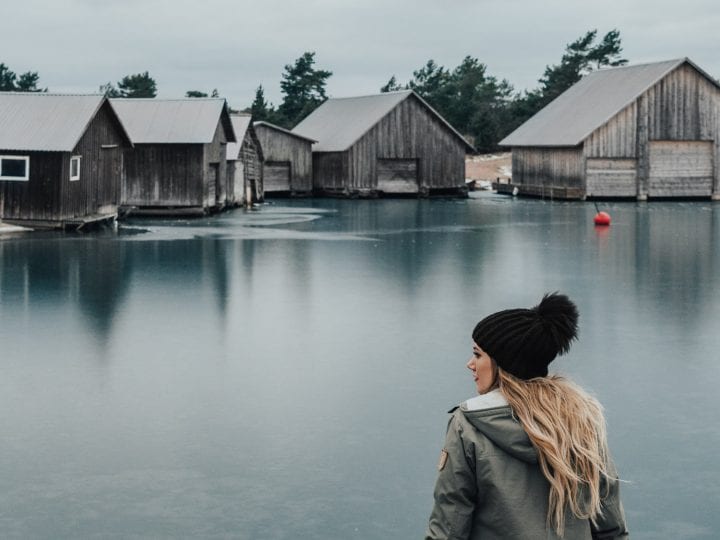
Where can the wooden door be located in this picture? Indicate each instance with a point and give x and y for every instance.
(680, 169)
(397, 176)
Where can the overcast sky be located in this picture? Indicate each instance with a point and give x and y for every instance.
(236, 45)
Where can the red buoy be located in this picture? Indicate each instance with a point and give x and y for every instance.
(602, 219)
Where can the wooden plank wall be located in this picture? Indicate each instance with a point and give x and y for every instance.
(548, 167)
(252, 164)
(330, 172)
(409, 131)
(164, 175)
(617, 138)
(214, 159)
(279, 146)
(40, 197)
(98, 190)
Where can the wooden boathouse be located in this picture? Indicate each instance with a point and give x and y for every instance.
(60, 159)
(245, 183)
(644, 131)
(385, 144)
(178, 163)
(288, 160)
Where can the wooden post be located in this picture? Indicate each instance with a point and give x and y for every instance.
(643, 164)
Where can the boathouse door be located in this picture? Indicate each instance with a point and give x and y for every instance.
(397, 176)
(680, 169)
(277, 175)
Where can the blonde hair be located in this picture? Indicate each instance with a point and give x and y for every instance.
(567, 427)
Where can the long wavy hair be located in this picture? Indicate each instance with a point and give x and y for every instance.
(567, 427)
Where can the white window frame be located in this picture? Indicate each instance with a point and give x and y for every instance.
(76, 177)
(17, 178)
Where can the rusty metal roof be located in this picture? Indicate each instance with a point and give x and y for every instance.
(268, 125)
(590, 103)
(340, 122)
(172, 121)
(36, 121)
(240, 123)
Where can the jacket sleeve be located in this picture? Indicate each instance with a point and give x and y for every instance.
(610, 525)
(455, 489)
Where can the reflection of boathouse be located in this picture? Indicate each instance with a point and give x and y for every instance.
(244, 164)
(288, 160)
(645, 131)
(60, 159)
(178, 165)
(392, 143)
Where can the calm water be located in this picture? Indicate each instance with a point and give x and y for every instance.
(285, 373)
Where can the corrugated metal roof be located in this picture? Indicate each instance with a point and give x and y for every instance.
(591, 102)
(171, 121)
(240, 123)
(283, 130)
(339, 122)
(45, 122)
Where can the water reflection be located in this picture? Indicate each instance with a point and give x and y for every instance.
(240, 363)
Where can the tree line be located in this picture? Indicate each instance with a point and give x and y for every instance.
(479, 105)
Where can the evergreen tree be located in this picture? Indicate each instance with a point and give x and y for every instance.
(7, 79)
(26, 82)
(392, 86)
(140, 85)
(433, 84)
(195, 94)
(109, 90)
(303, 88)
(260, 110)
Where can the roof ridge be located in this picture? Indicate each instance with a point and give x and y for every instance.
(630, 66)
(50, 94)
(373, 95)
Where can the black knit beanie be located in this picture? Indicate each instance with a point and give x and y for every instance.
(524, 341)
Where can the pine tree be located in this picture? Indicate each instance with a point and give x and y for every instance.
(303, 87)
(140, 85)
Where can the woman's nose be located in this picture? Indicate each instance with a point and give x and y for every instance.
(470, 365)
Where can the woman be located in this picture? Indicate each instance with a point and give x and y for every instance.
(527, 458)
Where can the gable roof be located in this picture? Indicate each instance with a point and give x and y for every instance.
(590, 103)
(36, 121)
(173, 121)
(262, 123)
(340, 122)
(240, 124)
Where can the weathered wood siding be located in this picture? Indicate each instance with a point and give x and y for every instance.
(101, 150)
(282, 147)
(548, 167)
(38, 198)
(49, 195)
(680, 169)
(611, 177)
(215, 191)
(331, 172)
(617, 138)
(164, 175)
(683, 106)
(252, 167)
(409, 131)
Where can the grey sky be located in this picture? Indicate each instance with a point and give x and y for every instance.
(77, 45)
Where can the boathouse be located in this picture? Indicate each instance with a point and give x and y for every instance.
(60, 159)
(644, 131)
(392, 144)
(244, 164)
(288, 160)
(178, 163)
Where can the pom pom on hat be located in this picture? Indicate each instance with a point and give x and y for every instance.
(524, 341)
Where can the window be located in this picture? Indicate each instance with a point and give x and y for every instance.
(74, 168)
(15, 168)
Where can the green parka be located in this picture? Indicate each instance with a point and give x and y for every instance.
(490, 485)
